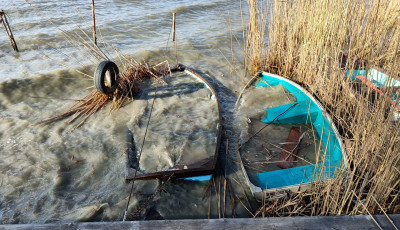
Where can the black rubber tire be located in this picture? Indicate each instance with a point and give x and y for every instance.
(99, 76)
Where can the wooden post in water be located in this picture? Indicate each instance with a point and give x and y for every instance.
(3, 19)
(94, 24)
(173, 25)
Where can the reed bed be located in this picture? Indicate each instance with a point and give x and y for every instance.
(255, 38)
(305, 39)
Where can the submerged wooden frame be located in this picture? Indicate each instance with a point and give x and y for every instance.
(204, 167)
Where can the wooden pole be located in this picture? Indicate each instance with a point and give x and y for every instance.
(7, 27)
(173, 25)
(94, 24)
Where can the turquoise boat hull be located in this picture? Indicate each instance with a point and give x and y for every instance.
(306, 110)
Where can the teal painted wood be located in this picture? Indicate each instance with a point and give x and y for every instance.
(378, 78)
(299, 114)
(305, 112)
(198, 178)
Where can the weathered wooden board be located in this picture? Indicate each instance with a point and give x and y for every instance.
(315, 222)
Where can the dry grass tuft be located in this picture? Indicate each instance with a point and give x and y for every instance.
(287, 205)
(127, 88)
(305, 39)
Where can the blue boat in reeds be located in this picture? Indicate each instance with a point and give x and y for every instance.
(378, 80)
(302, 110)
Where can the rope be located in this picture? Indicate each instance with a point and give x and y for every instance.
(160, 187)
(140, 154)
(269, 123)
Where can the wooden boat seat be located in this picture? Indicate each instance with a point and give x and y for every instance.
(290, 149)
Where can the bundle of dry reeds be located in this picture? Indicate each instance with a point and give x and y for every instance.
(255, 38)
(305, 39)
(127, 88)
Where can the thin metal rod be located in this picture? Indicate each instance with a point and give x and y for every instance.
(94, 24)
(140, 154)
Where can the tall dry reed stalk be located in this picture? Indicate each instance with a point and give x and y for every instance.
(305, 39)
(255, 38)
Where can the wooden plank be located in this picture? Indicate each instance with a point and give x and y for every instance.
(313, 222)
(290, 149)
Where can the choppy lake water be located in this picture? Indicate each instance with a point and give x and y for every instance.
(57, 172)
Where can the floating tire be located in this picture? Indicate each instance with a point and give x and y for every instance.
(106, 77)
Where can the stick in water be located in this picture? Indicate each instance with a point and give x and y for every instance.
(94, 24)
(173, 25)
(3, 19)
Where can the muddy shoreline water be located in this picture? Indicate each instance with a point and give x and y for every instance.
(59, 173)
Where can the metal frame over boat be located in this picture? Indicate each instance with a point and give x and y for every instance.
(199, 171)
(306, 110)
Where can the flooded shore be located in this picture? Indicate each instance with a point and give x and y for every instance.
(60, 172)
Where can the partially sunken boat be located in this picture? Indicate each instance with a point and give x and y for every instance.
(288, 139)
(363, 75)
(184, 135)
